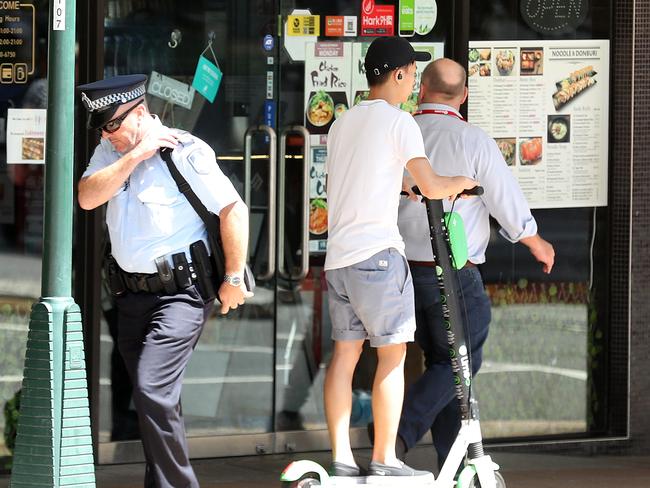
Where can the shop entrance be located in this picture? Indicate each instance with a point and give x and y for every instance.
(254, 383)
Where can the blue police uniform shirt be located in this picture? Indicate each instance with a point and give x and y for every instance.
(455, 147)
(148, 216)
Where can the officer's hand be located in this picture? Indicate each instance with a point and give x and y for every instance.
(232, 296)
(153, 140)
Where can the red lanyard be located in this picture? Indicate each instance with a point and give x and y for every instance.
(439, 112)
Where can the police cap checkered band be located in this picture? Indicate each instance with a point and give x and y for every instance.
(102, 98)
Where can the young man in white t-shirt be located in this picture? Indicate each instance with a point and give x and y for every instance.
(369, 283)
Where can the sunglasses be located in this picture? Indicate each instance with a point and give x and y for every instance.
(114, 125)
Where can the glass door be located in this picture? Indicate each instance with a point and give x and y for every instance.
(228, 395)
(321, 76)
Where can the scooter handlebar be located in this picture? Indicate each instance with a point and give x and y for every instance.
(477, 191)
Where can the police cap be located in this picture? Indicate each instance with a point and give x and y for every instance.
(102, 98)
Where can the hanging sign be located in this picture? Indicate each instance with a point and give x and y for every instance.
(554, 16)
(207, 77)
(171, 90)
(303, 25)
(377, 20)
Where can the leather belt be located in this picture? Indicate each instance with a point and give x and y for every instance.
(432, 264)
(424, 264)
(137, 282)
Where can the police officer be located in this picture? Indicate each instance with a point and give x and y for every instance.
(456, 147)
(156, 239)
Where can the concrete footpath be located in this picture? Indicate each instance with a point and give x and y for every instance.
(519, 470)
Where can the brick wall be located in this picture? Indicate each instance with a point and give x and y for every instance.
(640, 293)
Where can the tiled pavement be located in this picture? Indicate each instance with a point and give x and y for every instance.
(519, 470)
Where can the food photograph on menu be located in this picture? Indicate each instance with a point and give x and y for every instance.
(505, 61)
(531, 61)
(559, 129)
(530, 151)
(480, 59)
(573, 85)
(318, 217)
(508, 148)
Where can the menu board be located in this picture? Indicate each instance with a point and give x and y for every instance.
(546, 104)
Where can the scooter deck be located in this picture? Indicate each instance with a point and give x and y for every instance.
(394, 481)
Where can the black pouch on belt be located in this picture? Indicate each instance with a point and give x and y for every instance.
(182, 270)
(114, 276)
(203, 269)
(166, 275)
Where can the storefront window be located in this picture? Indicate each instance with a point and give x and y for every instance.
(260, 370)
(539, 84)
(23, 100)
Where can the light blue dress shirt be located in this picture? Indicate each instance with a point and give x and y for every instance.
(455, 147)
(148, 217)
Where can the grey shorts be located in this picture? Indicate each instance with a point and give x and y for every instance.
(373, 300)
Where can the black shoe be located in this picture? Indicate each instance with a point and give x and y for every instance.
(340, 469)
(400, 445)
(379, 469)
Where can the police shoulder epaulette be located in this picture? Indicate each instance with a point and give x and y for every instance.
(184, 138)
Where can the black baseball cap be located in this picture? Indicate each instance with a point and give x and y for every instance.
(388, 53)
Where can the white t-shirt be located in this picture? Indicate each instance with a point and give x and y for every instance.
(367, 150)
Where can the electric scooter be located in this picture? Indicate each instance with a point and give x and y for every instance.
(450, 253)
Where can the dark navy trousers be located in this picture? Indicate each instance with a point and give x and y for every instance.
(157, 334)
(430, 402)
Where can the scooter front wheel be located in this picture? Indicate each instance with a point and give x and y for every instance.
(475, 483)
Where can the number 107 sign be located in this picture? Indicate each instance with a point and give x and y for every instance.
(58, 17)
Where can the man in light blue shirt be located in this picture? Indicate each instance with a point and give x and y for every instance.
(453, 147)
(160, 272)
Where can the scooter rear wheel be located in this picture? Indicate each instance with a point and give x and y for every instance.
(475, 483)
(305, 482)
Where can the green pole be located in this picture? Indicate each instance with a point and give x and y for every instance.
(53, 444)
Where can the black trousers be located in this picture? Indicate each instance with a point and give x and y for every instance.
(157, 334)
